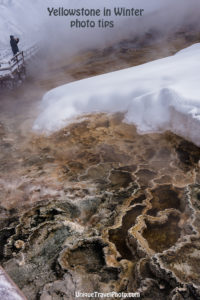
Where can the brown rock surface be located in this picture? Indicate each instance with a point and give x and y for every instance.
(96, 206)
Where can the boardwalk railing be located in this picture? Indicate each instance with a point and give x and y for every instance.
(13, 71)
(31, 52)
(15, 63)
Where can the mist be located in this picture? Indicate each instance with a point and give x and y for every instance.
(161, 16)
(32, 23)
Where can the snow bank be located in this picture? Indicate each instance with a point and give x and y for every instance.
(157, 96)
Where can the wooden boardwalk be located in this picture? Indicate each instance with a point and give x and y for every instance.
(13, 72)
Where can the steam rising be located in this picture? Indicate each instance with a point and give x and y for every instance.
(157, 96)
(31, 22)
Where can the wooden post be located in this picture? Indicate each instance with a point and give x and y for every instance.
(17, 64)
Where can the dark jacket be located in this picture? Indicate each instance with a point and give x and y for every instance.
(13, 44)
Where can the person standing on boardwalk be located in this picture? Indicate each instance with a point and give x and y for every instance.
(13, 44)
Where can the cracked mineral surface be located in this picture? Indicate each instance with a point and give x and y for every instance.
(96, 206)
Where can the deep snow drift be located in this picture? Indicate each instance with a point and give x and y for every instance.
(157, 96)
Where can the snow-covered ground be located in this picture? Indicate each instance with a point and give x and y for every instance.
(157, 96)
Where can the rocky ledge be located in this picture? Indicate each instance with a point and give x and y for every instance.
(97, 207)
